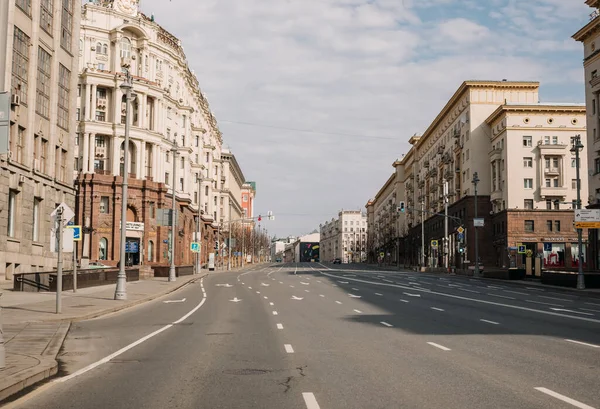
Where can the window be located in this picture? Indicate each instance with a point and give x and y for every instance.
(43, 156)
(66, 24)
(99, 48)
(20, 64)
(557, 225)
(206, 191)
(573, 183)
(63, 166)
(527, 162)
(197, 142)
(557, 205)
(207, 157)
(215, 200)
(467, 154)
(46, 16)
(547, 163)
(100, 116)
(555, 140)
(528, 204)
(64, 79)
(555, 163)
(36, 218)
(555, 182)
(103, 249)
(125, 47)
(101, 66)
(167, 157)
(548, 204)
(20, 143)
(548, 183)
(24, 5)
(167, 178)
(182, 163)
(182, 140)
(528, 183)
(12, 212)
(546, 140)
(597, 165)
(181, 184)
(594, 74)
(76, 164)
(527, 141)
(594, 106)
(42, 103)
(150, 250)
(152, 210)
(245, 198)
(549, 225)
(104, 205)
(105, 49)
(529, 226)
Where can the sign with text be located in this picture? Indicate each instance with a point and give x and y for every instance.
(478, 222)
(133, 226)
(587, 225)
(587, 215)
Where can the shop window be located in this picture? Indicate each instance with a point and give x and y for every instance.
(575, 255)
(554, 255)
(103, 249)
(150, 251)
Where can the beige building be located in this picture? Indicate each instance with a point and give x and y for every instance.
(39, 68)
(589, 35)
(345, 237)
(519, 149)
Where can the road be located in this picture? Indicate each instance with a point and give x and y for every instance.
(330, 336)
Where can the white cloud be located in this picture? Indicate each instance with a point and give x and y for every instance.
(375, 68)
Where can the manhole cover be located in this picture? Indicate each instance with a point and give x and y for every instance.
(247, 371)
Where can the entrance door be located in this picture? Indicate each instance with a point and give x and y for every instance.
(132, 247)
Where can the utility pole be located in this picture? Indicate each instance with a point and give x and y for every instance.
(229, 246)
(475, 181)
(59, 262)
(446, 239)
(243, 238)
(172, 272)
(121, 290)
(422, 234)
(577, 147)
(75, 267)
(198, 232)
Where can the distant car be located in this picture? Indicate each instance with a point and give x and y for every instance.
(337, 261)
(278, 260)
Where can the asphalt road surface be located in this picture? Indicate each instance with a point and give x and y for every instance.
(336, 336)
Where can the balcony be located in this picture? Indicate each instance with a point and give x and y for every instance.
(551, 149)
(449, 175)
(560, 191)
(495, 154)
(496, 195)
(426, 164)
(594, 83)
(552, 171)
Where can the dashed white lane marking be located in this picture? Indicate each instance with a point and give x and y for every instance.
(502, 296)
(471, 291)
(555, 298)
(136, 343)
(564, 398)
(343, 282)
(274, 312)
(339, 302)
(281, 282)
(535, 289)
(318, 281)
(386, 324)
(265, 297)
(379, 294)
(403, 300)
(243, 283)
(490, 322)
(413, 283)
(310, 400)
(308, 291)
(591, 303)
(279, 326)
(303, 283)
(358, 311)
(437, 309)
(443, 348)
(587, 309)
(288, 348)
(291, 286)
(355, 289)
(389, 281)
(271, 303)
(250, 288)
(321, 295)
(544, 303)
(582, 343)
(258, 292)
(494, 287)
(355, 296)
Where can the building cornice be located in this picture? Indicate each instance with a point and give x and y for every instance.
(385, 186)
(534, 109)
(587, 30)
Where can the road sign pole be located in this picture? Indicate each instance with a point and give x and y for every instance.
(577, 146)
(74, 267)
(59, 262)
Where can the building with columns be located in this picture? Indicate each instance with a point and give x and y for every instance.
(38, 68)
(345, 237)
(174, 140)
(589, 36)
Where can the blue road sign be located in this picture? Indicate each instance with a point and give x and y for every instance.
(547, 246)
(460, 236)
(521, 249)
(132, 247)
(195, 247)
(71, 223)
(76, 233)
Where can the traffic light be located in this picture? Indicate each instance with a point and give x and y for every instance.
(216, 244)
(402, 207)
(461, 248)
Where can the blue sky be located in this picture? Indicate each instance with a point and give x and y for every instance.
(368, 74)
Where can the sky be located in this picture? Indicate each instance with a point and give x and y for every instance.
(317, 98)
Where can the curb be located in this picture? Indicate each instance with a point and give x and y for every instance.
(47, 368)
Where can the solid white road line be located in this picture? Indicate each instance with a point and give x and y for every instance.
(437, 309)
(555, 298)
(358, 311)
(490, 322)
(310, 400)
(471, 291)
(339, 302)
(279, 326)
(288, 348)
(443, 348)
(502, 296)
(386, 324)
(389, 281)
(544, 303)
(515, 292)
(460, 297)
(274, 312)
(381, 295)
(583, 343)
(564, 398)
(136, 343)
(271, 303)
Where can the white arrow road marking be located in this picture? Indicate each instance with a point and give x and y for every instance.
(574, 312)
(236, 300)
(412, 295)
(224, 285)
(354, 296)
(172, 301)
(297, 298)
(265, 285)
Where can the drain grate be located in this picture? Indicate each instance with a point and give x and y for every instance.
(247, 371)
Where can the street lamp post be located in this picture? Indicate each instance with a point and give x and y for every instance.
(172, 274)
(229, 246)
(422, 234)
(475, 181)
(120, 290)
(198, 232)
(446, 238)
(576, 148)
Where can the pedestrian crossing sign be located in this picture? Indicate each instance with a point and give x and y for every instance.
(434, 243)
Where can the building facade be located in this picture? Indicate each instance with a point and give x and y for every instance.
(589, 36)
(39, 69)
(175, 142)
(345, 237)
(520, 150)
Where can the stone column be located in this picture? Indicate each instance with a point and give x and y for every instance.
(88, 102)
(142, 162)
(155, 160)
(86, 150)
(92, 155)
(116, 155)
(117, 106)
(94, 103)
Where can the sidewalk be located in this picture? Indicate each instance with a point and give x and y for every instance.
(33, 333)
